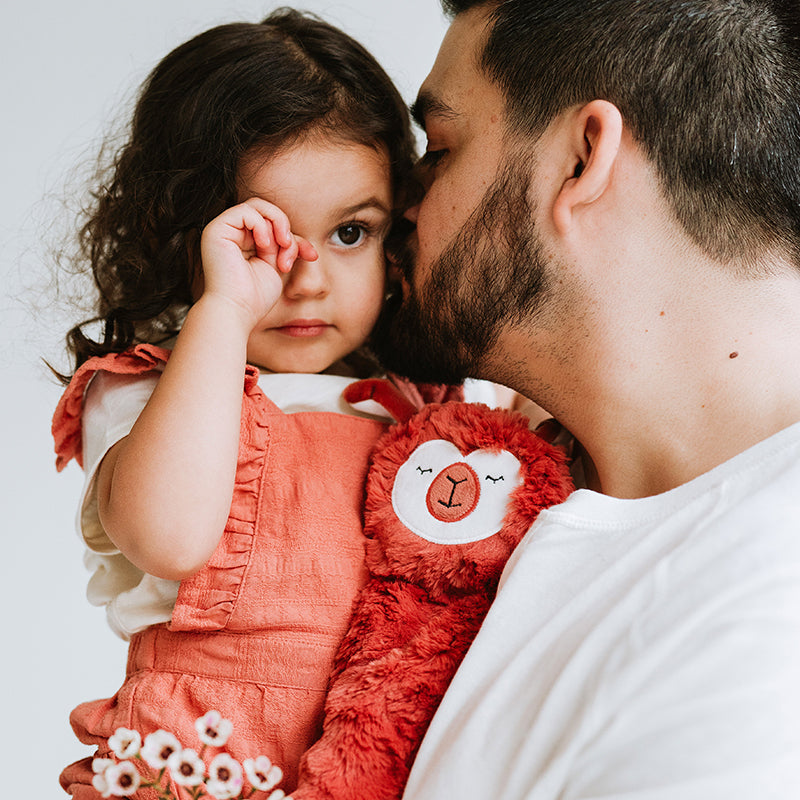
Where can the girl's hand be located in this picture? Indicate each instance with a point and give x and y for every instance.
(245, 251)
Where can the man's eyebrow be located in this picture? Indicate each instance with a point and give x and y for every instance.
(427, 105)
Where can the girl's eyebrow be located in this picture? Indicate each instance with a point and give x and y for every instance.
(371, 202)
(428, 105)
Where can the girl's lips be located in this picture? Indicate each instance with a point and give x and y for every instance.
(304, 327)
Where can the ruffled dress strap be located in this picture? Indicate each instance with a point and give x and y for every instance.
(207, 599)
(66, 425)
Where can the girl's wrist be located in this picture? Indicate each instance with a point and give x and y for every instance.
(222, 312)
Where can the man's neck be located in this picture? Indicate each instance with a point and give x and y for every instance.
(657, 405)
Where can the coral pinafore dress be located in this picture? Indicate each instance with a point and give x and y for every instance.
(254, 633)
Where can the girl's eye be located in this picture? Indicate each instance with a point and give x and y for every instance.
(349, 235)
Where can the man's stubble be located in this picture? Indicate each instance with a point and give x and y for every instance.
(493, 275)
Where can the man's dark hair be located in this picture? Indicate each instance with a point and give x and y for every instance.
(708, 88)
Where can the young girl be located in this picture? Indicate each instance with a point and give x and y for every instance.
(247, 211)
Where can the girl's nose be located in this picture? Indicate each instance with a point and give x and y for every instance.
(307, 279)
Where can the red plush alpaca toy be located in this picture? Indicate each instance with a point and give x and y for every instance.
(451, 491)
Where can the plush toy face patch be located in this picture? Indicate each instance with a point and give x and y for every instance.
(449, 498)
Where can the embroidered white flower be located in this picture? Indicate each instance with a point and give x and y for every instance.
(224, 777)
(223, 780)
(99, 767)
(186, 767)
(262, 774)
(125, 743)
(213, 729)
(158, 747)
(101, 784)
(122, 779)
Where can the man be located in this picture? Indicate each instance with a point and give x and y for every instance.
(611, 226)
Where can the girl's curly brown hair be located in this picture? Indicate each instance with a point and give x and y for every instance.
(204, 106)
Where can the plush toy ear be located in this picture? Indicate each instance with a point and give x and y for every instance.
(384, 393)
(421, 394)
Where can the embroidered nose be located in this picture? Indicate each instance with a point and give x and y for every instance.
(454, 493)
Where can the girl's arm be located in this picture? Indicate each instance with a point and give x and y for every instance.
(164, 491)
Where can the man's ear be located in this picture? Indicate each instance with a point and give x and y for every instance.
(594, 134)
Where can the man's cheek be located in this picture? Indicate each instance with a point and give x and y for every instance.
(434, 231)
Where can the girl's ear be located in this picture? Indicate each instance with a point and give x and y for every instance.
(594, 136)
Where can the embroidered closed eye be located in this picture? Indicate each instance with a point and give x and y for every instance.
(423, 471)
(494, 480)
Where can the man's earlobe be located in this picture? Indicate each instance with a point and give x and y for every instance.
(595, 133)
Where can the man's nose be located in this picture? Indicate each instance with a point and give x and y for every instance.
(415, 192)
(397, 239)
(412, 213)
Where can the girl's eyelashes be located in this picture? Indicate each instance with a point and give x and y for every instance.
(352, 234)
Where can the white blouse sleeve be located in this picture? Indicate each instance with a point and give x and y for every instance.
(111, 407)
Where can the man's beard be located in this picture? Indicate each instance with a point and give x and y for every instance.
(491, 276)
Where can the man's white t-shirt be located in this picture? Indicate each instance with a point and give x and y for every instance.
(638, 650)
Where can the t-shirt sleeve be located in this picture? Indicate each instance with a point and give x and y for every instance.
(112, 405)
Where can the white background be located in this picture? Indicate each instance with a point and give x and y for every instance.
(69, 70)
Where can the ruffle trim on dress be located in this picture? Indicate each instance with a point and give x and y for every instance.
(207, 599)
(66, 425)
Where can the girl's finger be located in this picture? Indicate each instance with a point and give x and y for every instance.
(305, 250)
(240, 216)
(300, 248)
(288, 255)
(280, 222)
(263, 235)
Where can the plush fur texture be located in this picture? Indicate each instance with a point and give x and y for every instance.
(425, 600)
